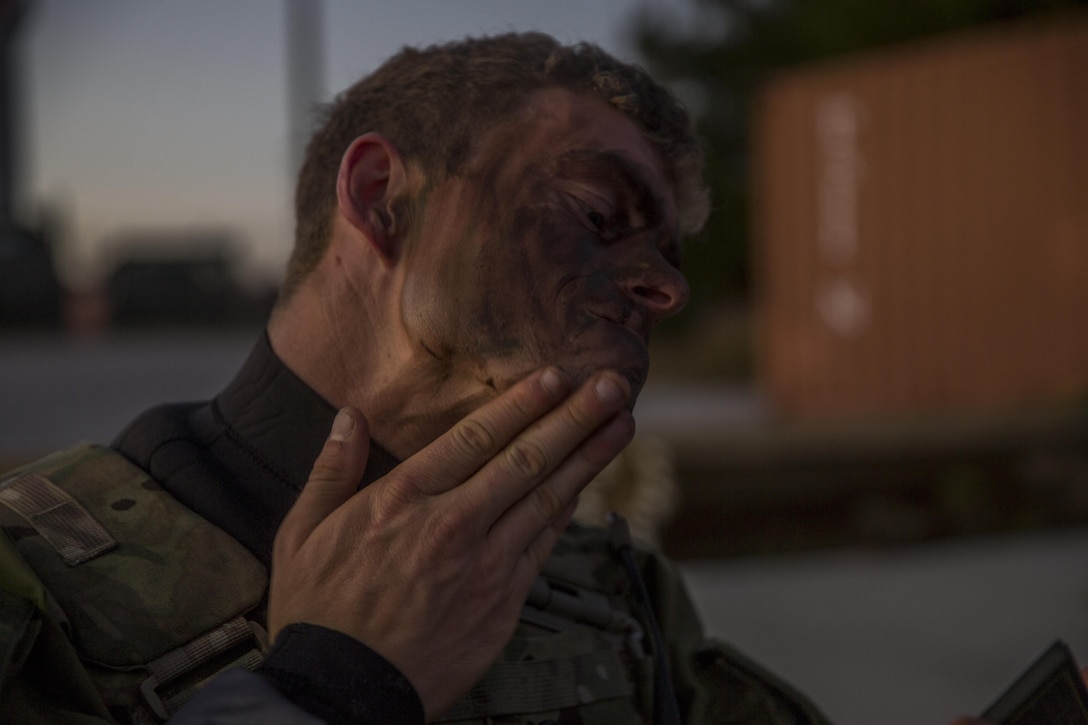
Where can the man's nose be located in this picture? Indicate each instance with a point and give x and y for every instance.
(658, 287)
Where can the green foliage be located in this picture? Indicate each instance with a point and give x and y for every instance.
(719, 63)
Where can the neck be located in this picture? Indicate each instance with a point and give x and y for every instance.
(348, 358)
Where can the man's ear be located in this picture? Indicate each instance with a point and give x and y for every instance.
(371, 176)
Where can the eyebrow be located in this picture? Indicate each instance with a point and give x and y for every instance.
(613, 167)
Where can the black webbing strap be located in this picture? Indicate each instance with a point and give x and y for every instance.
(666, 709)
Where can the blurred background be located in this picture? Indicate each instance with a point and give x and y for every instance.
(873, 414)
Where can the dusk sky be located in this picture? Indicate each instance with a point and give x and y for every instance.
(160, 115)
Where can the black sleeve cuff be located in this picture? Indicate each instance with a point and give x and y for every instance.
(339, 679)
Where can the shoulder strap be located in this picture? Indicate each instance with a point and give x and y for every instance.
(151, 595)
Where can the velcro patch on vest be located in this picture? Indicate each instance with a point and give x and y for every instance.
(69, 528)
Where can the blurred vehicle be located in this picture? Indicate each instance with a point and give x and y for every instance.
(181, 279)
(29, 290)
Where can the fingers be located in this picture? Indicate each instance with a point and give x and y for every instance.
(470, 444)
(544, 447)
(517, 529)
(333, 480)
(536, 552)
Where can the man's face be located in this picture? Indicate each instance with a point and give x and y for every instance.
(558, 246)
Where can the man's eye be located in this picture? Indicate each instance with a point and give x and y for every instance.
(604, 225)
(595, 218)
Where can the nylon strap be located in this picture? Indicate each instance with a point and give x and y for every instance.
(202, 649)
(249, 661)
(189, 657)
(69, 528)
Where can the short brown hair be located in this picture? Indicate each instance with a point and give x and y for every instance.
(433, 103)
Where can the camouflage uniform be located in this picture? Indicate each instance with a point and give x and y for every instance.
(177, 598)
(713, 683)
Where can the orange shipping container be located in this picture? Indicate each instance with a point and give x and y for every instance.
(922, 226)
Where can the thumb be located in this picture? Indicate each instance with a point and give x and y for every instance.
(333, 480)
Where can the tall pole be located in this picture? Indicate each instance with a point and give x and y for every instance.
(305, 73)
(11, 12)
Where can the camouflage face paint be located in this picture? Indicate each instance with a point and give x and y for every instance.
(544, 252)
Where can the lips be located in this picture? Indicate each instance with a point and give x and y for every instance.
(629, 316)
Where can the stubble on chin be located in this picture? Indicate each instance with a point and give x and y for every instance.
(634, 375)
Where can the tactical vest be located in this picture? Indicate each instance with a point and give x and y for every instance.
(117, 603)
(153, 601)
(579, 653)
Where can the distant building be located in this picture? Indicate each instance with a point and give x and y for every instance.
(922, 227)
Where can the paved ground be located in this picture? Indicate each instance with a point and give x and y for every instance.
(911, 635)
(55, 391)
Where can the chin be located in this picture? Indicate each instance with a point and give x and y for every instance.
(623, 353)
(632, 361)
(636, 379)
(634, 369)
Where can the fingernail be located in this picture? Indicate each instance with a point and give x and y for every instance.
(342, 426)
(608, 390)
(552, 382)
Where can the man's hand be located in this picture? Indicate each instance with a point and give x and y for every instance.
(430, 565)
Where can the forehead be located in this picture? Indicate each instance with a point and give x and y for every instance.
(555, 126)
